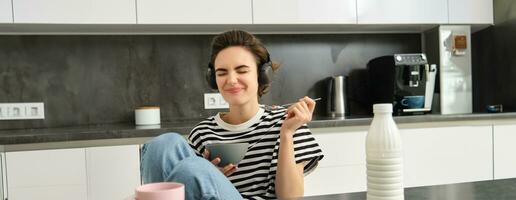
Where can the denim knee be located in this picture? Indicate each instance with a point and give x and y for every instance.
(160, 155)
(164, 143)
(203, 180)
(168, 139)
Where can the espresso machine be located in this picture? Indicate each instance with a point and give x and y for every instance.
(405, 80)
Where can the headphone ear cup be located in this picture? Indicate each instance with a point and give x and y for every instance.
(266, 74)
(210, 77)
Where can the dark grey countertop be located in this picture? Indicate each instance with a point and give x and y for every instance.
(504, 189)
(120, 131)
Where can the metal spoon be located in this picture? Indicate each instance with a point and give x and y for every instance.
(287, 105)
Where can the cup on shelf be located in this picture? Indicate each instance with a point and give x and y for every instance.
(147, 116)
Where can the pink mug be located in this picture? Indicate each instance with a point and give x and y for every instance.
(160, 191)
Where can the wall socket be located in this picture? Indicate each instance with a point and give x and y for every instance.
(214, 101)
(17, 111)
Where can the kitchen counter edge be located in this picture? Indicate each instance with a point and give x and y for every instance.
(133, 134)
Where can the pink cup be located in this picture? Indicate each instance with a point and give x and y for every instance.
(160, 191)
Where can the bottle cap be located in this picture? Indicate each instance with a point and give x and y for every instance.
(382, 108)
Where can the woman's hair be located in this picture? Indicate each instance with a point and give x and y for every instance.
(248, 41)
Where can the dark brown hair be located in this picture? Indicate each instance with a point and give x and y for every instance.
(249, 42)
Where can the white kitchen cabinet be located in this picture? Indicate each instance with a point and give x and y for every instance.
(3, 186)
(470, 11)
(194, 12)
(75, 11)
(432, 156)
(343, 167)
(304, 12)
(504, 149)
(402, 11)
(46, 175)
(6, 11)
(113, 171)
(336, 180)
(447, 155)
(340, 148)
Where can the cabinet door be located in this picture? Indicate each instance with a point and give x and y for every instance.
(471, 11)
(343, 167)
(75, 11)
(113, 172)
(304, 12)
(194, 12)
(6, 15)
(402, 11)
(46, 175)
(2, 177)
(504, 148)
(336, 180)
(341, 148)
(447, 155)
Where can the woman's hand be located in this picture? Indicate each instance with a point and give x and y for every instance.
(226, 170)
(298, 114)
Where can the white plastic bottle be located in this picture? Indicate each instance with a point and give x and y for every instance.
(384, 156)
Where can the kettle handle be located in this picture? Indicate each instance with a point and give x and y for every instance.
(331, 95)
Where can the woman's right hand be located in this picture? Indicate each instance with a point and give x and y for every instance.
(226, 170)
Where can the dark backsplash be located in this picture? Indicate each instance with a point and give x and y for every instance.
(494, 61)
(89, 80)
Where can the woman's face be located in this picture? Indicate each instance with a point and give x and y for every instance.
(236, 75)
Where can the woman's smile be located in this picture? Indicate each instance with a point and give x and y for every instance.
(234, 90)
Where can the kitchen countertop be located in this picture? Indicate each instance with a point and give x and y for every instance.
(125, 131)
(503, 189)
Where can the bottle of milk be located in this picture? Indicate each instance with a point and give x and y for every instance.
(384, 156)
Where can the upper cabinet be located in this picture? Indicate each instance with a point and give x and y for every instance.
(304, 12)
(260, 16)
(471, 11)
(6, 15)
(75, 12)
(402, 11)
(194, 12)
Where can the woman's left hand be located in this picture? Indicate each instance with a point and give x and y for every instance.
(298, 114)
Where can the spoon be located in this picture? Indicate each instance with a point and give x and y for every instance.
(287, 105)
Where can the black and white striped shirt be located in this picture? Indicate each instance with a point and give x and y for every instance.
(256, 173)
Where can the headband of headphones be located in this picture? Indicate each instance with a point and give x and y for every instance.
(267, 61)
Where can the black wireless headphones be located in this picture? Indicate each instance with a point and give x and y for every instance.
(265, 73)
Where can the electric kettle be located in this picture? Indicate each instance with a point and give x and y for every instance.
(336, 97)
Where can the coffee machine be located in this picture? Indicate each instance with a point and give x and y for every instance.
(405, 80)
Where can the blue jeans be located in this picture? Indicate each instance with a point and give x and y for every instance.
(169, 158)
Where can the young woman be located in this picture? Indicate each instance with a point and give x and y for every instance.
(281, 147)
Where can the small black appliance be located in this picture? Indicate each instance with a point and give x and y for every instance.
(405, 80)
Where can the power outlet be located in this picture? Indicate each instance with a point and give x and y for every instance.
(214, 101)
(16, 111)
